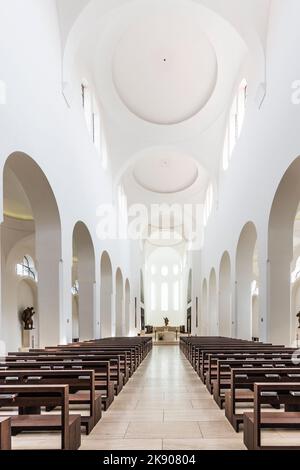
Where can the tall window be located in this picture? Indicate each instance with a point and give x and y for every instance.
(87, 105)
(208, 204)
(2, 92)
(123, 211)
(75, 288)
(165, 297)
(296, 273)
(254, 288)
(165, 271)
(96, 131)
(83, 94)
(176, 296)
(153, 296)
(235, 123)
(92, 118)
(27, 268)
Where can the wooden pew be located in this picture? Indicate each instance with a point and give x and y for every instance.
(116, 375)
(121, 357)
(142, 344)
(103, 382)
(81, 389)
(209, 369)
(5, 433)
(133, 351)
(192, 346)
(131, 355)
(27, 396)
(255, 422)
(221, 382)
(242, 384)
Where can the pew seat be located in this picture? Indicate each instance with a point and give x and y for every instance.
(29, 397)
(269, 420)
(39, 423)
(287, 394)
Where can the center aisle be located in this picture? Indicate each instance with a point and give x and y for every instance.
(164, 406)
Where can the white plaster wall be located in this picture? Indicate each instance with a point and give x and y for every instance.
(37, 121)
(270, 141)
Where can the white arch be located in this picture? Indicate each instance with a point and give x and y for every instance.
(204, 309)
(47, 228)
(244, 278)
(213, 304)
(225, 297)
(84, 254)
(106, 296)
(127, 308)
(280, 254)
(119, 303)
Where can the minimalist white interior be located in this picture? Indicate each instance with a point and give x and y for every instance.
(134, 103)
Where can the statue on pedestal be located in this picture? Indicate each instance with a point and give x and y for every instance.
(298, 316)
(166, 320)
(26, 317)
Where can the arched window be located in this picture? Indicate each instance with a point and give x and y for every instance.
(27, 268)
(208, 204)
(235, 123)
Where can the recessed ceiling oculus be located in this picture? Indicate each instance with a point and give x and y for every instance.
(167, 173)
(165, 68)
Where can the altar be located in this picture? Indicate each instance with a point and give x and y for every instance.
(166, 335)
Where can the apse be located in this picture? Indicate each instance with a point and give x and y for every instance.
(165, 287)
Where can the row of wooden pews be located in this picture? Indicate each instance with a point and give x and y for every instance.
(262, 378)
(40, 389)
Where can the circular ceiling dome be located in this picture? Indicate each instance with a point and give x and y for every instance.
(165, 68)
(166, 173)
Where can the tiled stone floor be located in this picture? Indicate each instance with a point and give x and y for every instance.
(163, 406)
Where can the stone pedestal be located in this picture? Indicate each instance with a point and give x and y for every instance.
(28, 339)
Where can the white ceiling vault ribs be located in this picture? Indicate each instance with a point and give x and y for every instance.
(165, 72)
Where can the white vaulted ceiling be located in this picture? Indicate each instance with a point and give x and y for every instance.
(165, 68)
(165, 73)
(16, 203)
(165, 173)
